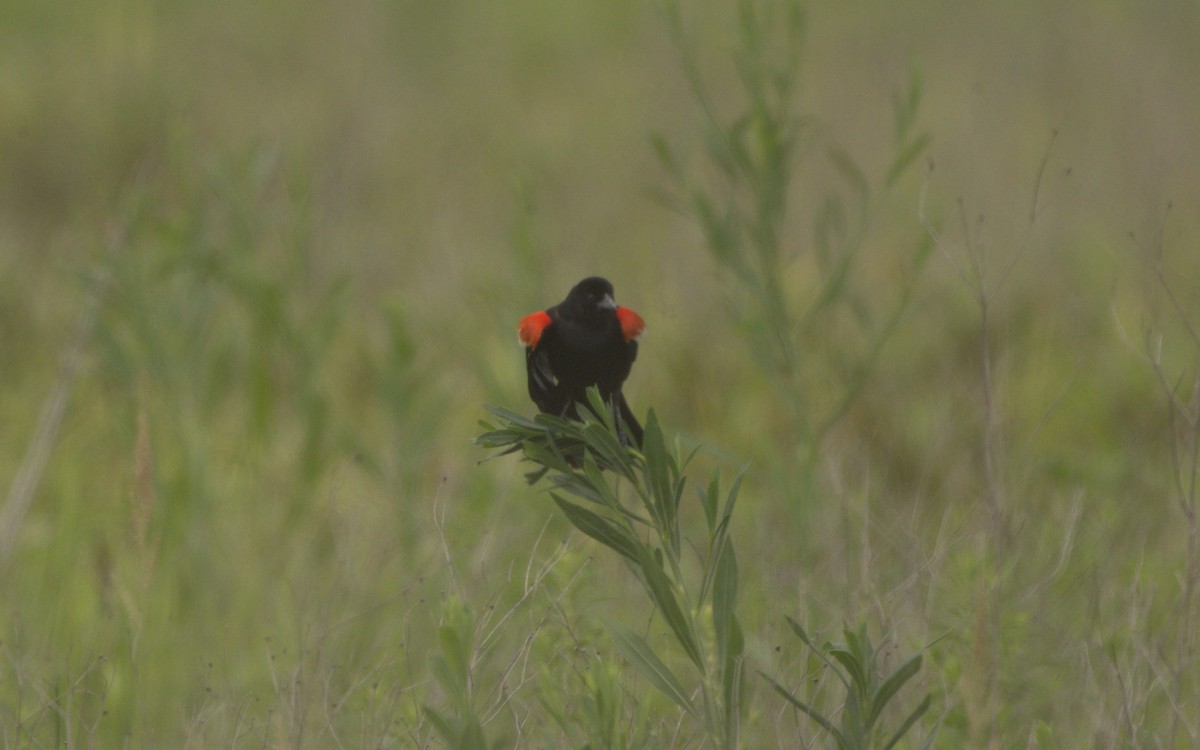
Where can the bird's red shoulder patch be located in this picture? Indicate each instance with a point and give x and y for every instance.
(529, 330)
(632, 324)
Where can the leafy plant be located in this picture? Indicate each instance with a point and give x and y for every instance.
(743, 196)
(648, 538)
(451, 669)
(855, 665)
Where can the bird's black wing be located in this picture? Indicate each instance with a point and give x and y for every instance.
(543, 383)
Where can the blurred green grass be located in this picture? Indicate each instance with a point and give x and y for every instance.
(329, 218)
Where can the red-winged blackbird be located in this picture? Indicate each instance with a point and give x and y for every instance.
(584, 340)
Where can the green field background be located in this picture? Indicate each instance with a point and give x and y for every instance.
(305, 232)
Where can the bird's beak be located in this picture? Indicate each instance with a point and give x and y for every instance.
(607, 303)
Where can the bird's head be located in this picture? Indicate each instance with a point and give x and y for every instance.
(591, 298)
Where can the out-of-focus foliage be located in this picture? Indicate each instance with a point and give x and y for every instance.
(308, 229)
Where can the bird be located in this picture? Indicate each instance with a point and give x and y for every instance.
(585, 340)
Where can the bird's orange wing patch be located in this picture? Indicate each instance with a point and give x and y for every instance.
(529, 330)
(632, 324)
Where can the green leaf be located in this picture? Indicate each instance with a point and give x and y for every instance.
(853, 667)
(663, 593)
(728, 634)
(724, 597)
(442, 725)
(723, 235)
(666, 156)
(813, 713)
(602, 530)
(820, 652)
(829, 228)
(928, 743)
(904, 107)
(851, 172)
(731, 498)
(906, 157)
(659, 481)
(549, 457)
(708, 500)
(580, 487)
(596, 482)
(891, 684)
(732, 680)
(638, 653)
(599, 430)
(514, 418)
(447, 680)
(912, 719)
(454, 650)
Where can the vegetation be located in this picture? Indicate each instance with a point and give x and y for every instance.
(918, 280)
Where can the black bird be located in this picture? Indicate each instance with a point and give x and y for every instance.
(585, 340)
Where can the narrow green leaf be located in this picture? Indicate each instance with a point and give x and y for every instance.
(663, 593)
(850, 661)
(489, 441)
(666, 156)
(532, 477)
(819, 651)
(558, 426)
(905, 106)
(442, 725)
(608, 449)
(829, 228)
(728, 635)
(731, 498)
(855, 731)
(638, 653)
(891, 684)
(600, 411)
(449, 681)
(515, 418)
(708, 500)
(455, 653)
(596, 482)
(600, 432)
(928, 743)
(832, 288)
(551, 458)
(813, 713)
(658, 480)
(722, 234)
(724, 598)
(800, 632)
(579, 486)
(852, 173)
(906, 157)
(912, 719)
(602, 530)
(732, 680)
(472, 737)
(443, 675)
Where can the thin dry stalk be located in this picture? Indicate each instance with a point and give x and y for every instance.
(54, 410)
